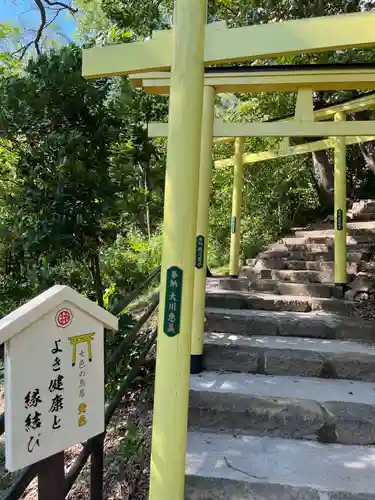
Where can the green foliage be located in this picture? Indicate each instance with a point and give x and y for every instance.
(79, 172)
(67, 187)
(9, 39)
(141, 17)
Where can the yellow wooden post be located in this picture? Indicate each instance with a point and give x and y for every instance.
(205, 179)
(340, 206)
(177, 274)
(238, 182)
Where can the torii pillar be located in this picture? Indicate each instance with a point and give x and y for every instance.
(340, 230)
(180, 218)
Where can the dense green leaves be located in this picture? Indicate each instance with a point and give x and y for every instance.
(78, 169)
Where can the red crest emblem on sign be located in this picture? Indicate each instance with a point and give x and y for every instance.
(63, 318)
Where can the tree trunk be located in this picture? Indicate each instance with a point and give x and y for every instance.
(367, 148)
(96, 275)
(323, 173)
(322, 164)
(147, 198)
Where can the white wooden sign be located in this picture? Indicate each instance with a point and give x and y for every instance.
(54, 374)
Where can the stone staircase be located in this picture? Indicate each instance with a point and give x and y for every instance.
(286, 407)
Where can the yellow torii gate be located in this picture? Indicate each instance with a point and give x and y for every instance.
(304, 80)
(304, 115)
(186, 55)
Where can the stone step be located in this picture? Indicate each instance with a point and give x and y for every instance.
(297, 276)
(287, 275)
(327, 238)
(316, 265)
(324, 290)
(239, 299)
(321, 253)
(365, 217)
(290, 324)
(328, 255)
(228, 467)
(226, 283)
(357, 232)
(328, 226)
(330, 411)
(269, 355)
(303, 244)
(370, 208)
(300, 265)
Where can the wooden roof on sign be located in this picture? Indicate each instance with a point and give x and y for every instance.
(28, 313)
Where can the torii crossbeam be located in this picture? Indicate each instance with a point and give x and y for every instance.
(259, 78)
(320, 34)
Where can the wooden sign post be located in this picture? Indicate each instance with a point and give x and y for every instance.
(54, 376)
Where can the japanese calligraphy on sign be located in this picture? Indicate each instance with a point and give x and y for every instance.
(233, 224)
(54, 377)
(86, 340)
(339, 220)
(199, 252)
(173, 294)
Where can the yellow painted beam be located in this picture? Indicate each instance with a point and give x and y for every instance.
(329, 71)
(358, 104)
(285, 144)
(304, 105)
(237, 44)
(250, 158)
(277, 81)
(109, 60)
(295, 128)
(292, 128)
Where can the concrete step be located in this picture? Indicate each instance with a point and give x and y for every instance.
(298, 276)
(299, 356)
(328, 226)
(328, 255)
(227, 467)
(272, 302)
(321, 253)
(324, 290)
(316, 265)
(290, 324)
(370, 208)
(365, 217)
(327, 237)
(357, 232)
(330, 411)
(300, 265)
(294, 243)
(306, 276)
(226, 283)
